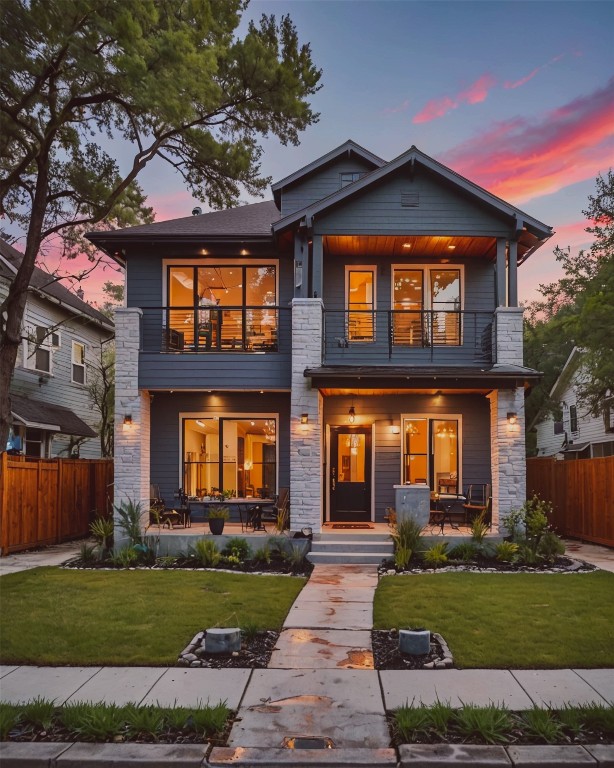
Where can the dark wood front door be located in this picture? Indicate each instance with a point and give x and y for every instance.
(350, 474)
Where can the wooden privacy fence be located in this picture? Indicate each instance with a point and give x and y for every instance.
(47, 501)
(581, 492)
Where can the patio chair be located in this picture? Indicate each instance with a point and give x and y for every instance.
(478, 500)
(280, 511)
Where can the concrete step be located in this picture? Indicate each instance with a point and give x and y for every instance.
(356, 558)
(350, 545)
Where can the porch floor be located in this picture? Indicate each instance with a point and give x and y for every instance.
(234, 529)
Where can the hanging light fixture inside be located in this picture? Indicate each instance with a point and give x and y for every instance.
(351, 415)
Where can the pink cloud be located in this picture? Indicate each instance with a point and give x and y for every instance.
(474, 94)
(519, 159)
(403, 107)
(516, 84)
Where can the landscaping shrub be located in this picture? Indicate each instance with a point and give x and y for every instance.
(406, 534)
(207, 553)
(436, 556)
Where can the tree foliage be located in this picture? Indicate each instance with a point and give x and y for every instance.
(92, 91)
(578, 310)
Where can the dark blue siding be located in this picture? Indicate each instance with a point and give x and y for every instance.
(165, 429)
(441, 210)
(383, 410)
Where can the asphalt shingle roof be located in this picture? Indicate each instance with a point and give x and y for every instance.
(246, 220)
(46, 283)
(36, 412)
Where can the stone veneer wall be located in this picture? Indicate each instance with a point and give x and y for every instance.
(132, 442)
(508, 340)
(507, 444)
(306, 440)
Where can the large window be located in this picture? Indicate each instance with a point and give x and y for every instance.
(218, 308)
(431, 452)
(360, 303)
(426, 303)
(236, 456)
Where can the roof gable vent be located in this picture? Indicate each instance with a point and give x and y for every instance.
(410, 199)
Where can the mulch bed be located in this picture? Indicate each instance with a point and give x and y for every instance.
(186, 563)
(386, 654)
(255, 653)
(561, 564)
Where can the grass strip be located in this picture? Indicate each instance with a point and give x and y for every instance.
(501, 621)
(87, 721)
(494, 724)
(54, 616)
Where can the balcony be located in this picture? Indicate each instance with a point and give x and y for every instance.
(408, 337)
(222, 329)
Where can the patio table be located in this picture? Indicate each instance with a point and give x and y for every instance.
(444, 504)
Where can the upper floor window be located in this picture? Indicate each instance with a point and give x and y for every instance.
(573, 418)
(78, 362)
(349, 177)
(426, 303)
(225, 307)
(38, 346)
(360, 303)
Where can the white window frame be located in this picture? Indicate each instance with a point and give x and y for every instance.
(426, 270)
(360, 268)
(459, 448)
(73, 362)
(29, 355)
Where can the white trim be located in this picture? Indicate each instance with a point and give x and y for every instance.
(360, 268)
(221, 261)
(430, 416)
(80, 365)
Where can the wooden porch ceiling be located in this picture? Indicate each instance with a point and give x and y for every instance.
(411, 247)
(340, 391)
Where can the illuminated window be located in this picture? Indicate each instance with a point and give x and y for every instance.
(360, 303)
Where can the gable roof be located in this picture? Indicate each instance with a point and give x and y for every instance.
(349, 147)
(245, 222)
(571, 366)
(55, 418)
(44, 283)
(539, 230)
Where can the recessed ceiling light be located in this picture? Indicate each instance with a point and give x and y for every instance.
(406, 245)
(451, 247)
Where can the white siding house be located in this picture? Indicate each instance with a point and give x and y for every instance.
(61, 338)
(579, 435)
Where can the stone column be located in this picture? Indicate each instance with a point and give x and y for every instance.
(507, 450)
(132, 444)
(306, 439)
(508, 336)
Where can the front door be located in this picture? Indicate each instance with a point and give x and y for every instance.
(350, 474)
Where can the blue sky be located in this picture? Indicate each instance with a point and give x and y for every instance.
(518, 96)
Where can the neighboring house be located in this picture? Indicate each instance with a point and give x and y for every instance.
(578, 434)
(61, 338)
(360, 330)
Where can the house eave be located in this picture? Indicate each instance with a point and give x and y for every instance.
(389, 377)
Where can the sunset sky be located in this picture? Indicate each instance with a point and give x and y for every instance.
(517, 96)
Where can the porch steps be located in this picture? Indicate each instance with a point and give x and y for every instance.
(350, 548)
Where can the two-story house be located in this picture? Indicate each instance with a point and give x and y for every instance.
(61, 338)
(360, 330)
(577, 434)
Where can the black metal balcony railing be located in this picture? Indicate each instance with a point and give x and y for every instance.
(207, 329)
(419, 336)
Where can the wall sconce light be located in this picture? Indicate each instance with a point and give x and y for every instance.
(351, 415)
(395, 429)
(512, 418)
(128, 420)
(304, 418)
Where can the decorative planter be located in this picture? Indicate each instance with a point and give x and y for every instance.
(216, 525)
(415, 642)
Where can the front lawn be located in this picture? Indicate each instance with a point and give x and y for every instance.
(53, 616)
(521, 620)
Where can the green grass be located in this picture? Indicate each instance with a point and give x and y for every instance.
(507, 620)
(53, 616)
